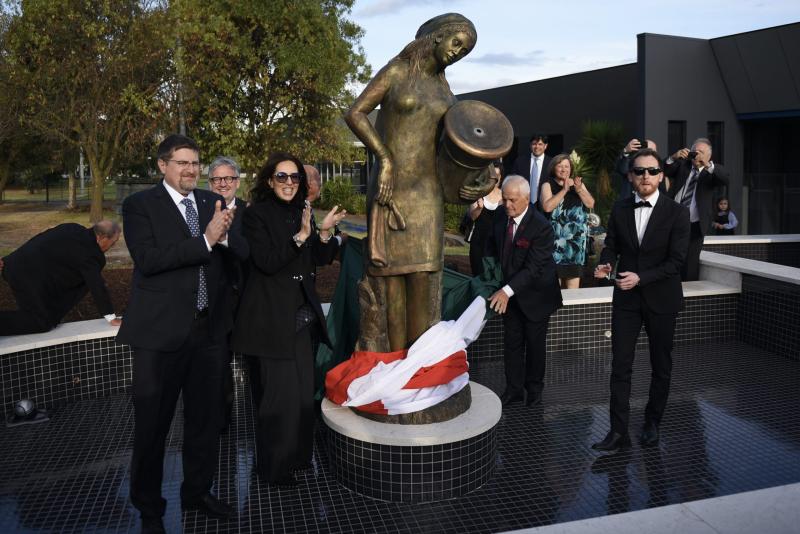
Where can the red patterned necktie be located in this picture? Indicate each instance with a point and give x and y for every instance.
(509, 239)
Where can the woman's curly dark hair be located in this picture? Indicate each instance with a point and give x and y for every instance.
(262, 190)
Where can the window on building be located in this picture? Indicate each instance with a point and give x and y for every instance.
(676, 136)
(716, 134)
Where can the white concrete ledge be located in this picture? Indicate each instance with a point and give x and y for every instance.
(766, 511)
(483, 414)
(750, 239)
(63, 333)
(596, 295)
(763, 269)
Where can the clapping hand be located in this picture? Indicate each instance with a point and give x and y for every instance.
(332, 218)
(217, 228)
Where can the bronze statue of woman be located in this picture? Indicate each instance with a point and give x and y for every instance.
(401, 290)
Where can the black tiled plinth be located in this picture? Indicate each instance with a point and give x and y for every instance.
(731, 425)
(413, 474)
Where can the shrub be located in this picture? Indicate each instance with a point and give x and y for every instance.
(339, 192)
(453, 213)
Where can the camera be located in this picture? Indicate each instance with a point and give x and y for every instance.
(692, 155)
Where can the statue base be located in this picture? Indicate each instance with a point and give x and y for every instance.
(444, 411)
(415, 462)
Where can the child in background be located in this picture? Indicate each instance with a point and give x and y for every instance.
(725, 221)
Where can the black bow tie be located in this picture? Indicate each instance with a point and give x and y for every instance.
(642, 204)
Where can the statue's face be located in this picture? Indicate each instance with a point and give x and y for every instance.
(452, 47)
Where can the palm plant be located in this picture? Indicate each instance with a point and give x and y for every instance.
(599, 148)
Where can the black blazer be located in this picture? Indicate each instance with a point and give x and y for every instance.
(522, 167)
(657, 260)
(56, 268)
(235, 257)
(280, 279)
(166, 261)
(530, 270)
(678, 171)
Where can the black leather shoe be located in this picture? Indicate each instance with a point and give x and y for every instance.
(152, 525)
(649, 435)
(533, 399)
(209, 506)
(507, 398)
(613, 442)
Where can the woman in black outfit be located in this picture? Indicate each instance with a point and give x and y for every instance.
(280, 312)
(482, 213)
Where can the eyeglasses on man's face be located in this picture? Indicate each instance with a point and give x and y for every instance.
(281, 177)
(185, 164)
(652, 171)
(216, 180)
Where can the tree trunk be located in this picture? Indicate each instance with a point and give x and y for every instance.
(98, 183)
(72, 194)
(5, 175)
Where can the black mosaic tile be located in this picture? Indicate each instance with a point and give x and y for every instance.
(769, 315)
(730, 426)
(63, 373)
(780, 253)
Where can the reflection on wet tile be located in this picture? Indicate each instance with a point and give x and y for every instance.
(731, 426)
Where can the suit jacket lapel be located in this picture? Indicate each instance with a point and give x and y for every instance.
(205, 210)
(630, 221)
(172, 208)
(659, 210)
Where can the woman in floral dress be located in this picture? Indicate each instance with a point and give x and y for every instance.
(565, 199)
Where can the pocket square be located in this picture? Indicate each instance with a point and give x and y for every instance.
(522, 243)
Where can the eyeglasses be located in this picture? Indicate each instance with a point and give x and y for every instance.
(184, 164)
(281, 177)
(652, 171)
(216, 180)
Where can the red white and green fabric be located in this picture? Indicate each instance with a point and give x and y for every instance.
(391, 383)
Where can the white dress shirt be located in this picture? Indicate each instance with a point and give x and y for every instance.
(534, 181)
(517, 220)
(642, 215)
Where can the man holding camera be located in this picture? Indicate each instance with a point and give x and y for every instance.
(694, 177)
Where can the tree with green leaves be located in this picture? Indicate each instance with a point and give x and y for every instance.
(92, 72)
(256, 77)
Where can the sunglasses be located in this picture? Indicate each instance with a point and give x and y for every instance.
(281, 177)
(652, 171)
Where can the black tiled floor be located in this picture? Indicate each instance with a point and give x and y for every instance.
(732, 425)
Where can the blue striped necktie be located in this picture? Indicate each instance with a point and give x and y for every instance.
(194, 227)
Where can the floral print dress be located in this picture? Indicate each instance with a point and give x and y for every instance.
(570, 228)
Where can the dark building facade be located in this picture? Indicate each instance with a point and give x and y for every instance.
(741, 91)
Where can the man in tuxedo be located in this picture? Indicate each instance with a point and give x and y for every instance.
(694, 177)
(533, 165)
(523, 241)
(224, 179)
(52, 272)
(177, 322)
(648, 234)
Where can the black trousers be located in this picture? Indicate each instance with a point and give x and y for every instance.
(625, 328)
(196, 369)
(283, 391)
(691, 268)
(32, 316)
(525, 350)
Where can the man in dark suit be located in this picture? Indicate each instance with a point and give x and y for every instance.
(52, 272)
(523, 241)
(223, 179)
(177, 322)
(694, 178)
(533, 165)
(648, 234)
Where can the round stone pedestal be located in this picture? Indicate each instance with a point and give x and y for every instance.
(414, 463)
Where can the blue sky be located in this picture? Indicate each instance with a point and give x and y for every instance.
(520, 41)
